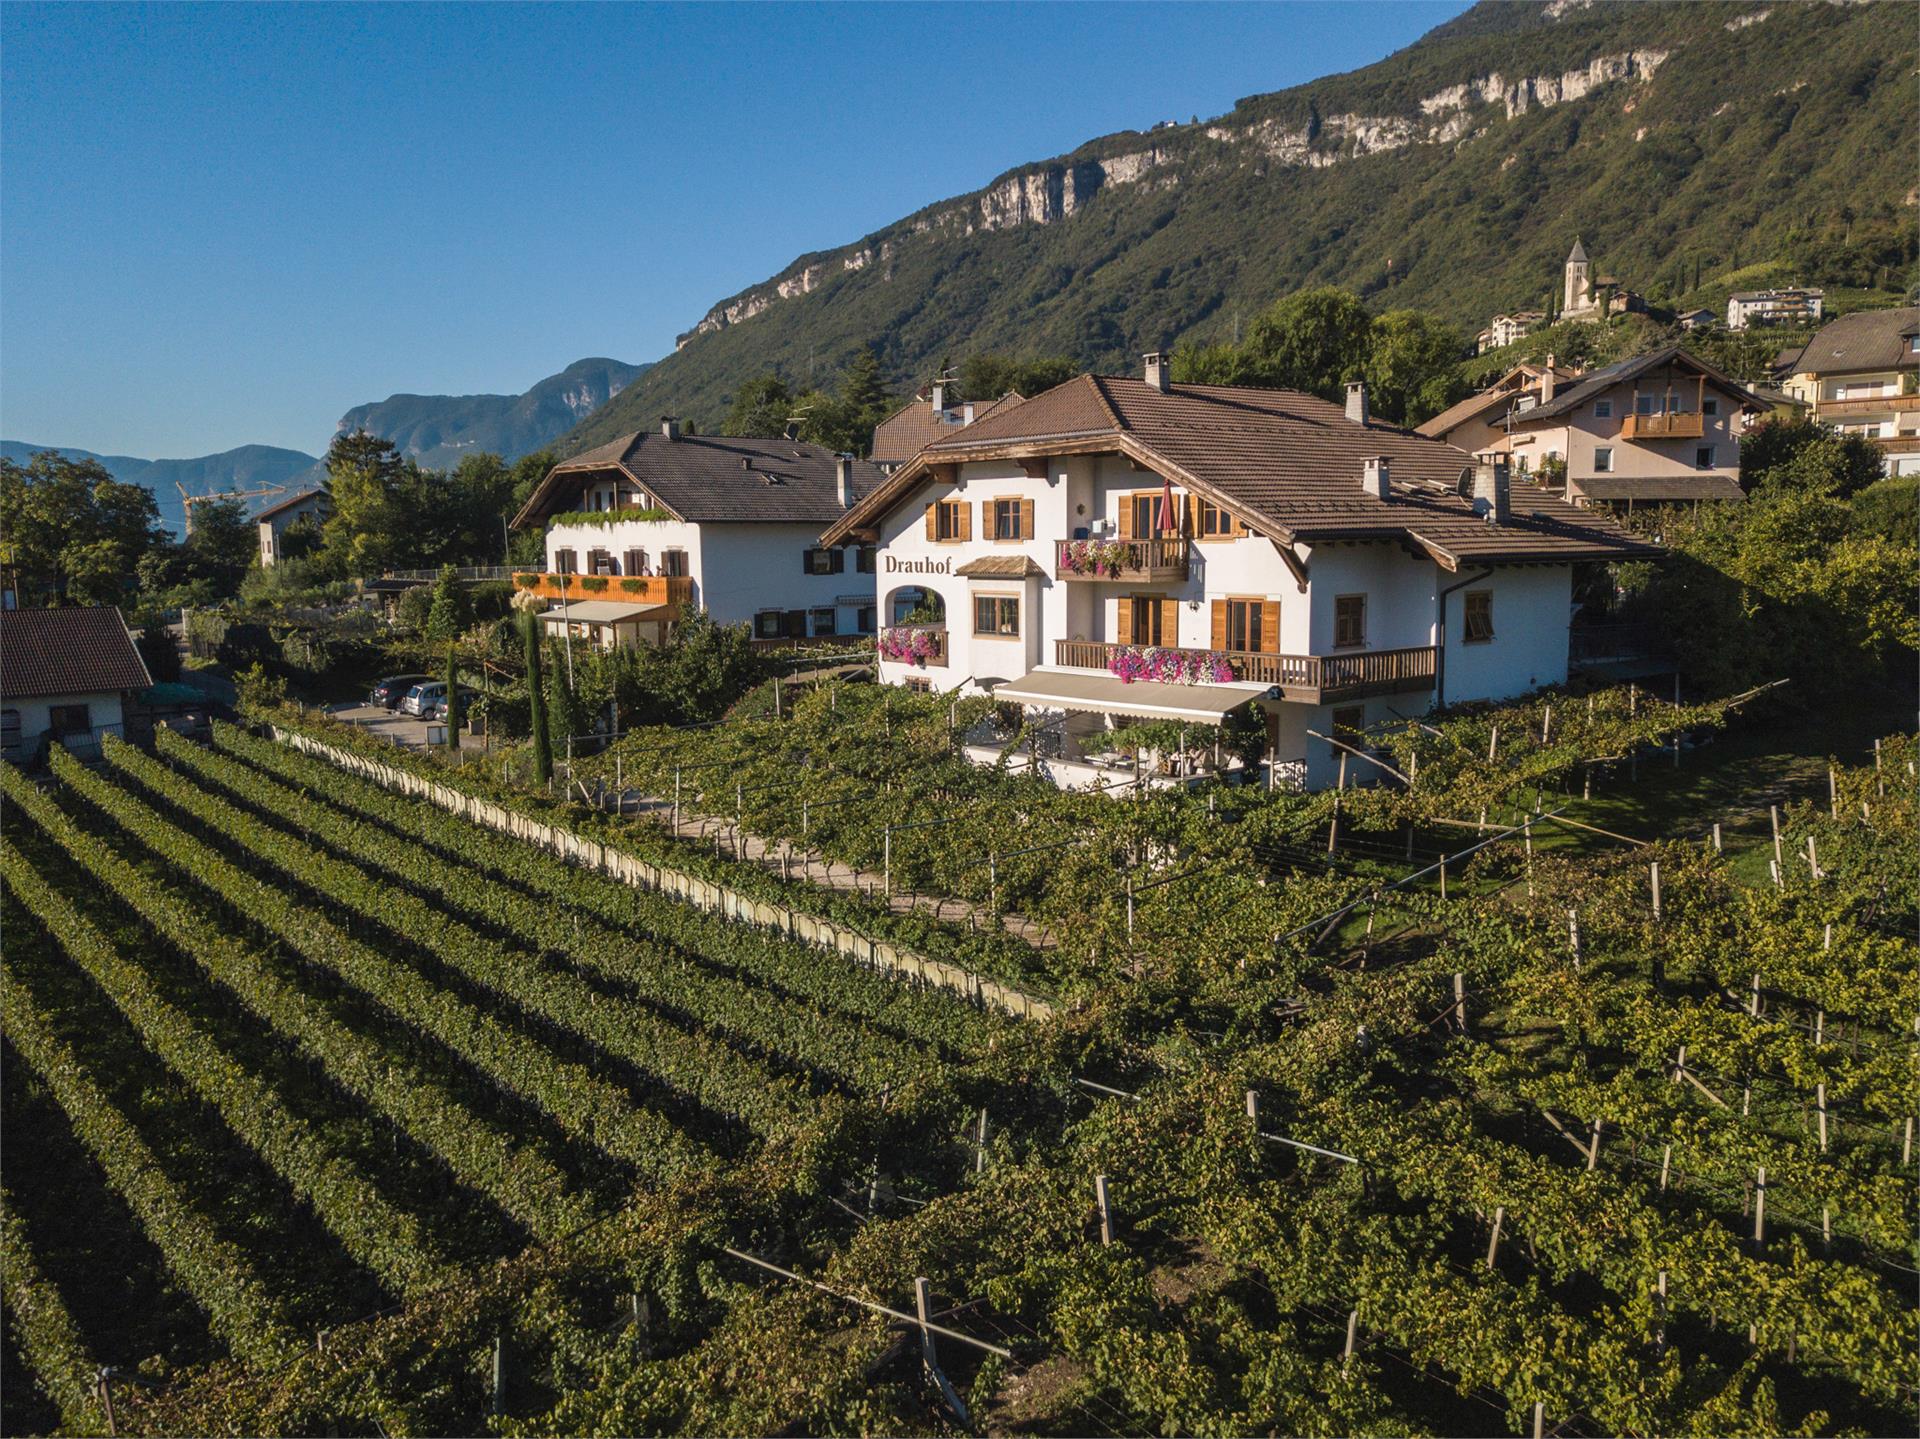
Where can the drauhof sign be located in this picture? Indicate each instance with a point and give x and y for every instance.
(897, 566)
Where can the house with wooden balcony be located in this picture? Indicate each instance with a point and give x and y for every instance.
(1659, 429)
(1123, 549)
(1861, 374)
(659, 524)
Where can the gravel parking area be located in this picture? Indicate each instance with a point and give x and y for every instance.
(390, 725)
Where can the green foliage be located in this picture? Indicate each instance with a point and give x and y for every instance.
(71, 533)
(1806, 455)
(984, 377)
(605, 518)
(414, 609)
(761, 408)
(1411, 368)
(530, 628)
(449, 609)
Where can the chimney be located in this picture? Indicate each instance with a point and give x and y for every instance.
(1492, 496)
(966, 413)
(1546, 381)
(670, 426)
(843, 477)
(1357, 401)
(1374, 479)
(939, 398)
(1156, 370)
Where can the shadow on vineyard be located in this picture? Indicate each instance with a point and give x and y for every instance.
(1528, 1084)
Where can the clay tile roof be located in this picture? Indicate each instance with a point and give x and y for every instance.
(67, 652)
(999, 567)
(706, 479)
(1867, 340)
(289, 503)
(1290, 462)
(1660, 487)
(1595, 383)
(912, 427)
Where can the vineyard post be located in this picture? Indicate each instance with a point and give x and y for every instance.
(1833, 793)
(1493, 744)
(1593, 1150)
(1660, 1334)
(619, 774)
(1753, 999)
(1820, 1101)
(1539, 1420)
(1813, 858)
(1460, 1000)
(886, 860)
(643, 1321)
(993, 886)
(980, 1144)
(499, 1376)
(1106, 1215)
(1546, 724)
(1716, 838)
(1333, 825)
(1493, 1244)
(1779, 857)
(1353, 1334)
(1253, 1109)
(1443, 875)
(1573, 935)
(1760, 1205)
(1906, 1145)
(1129, 908)
(1666, 1167)
(105, 1382)
(1654, 869)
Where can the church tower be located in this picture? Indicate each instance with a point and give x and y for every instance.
(1577, 295)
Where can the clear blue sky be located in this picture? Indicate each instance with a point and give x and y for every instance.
(227, 224)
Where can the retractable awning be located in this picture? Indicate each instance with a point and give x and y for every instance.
(1062, 689)
(603, 612)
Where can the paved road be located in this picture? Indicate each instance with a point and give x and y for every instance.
(389, 725)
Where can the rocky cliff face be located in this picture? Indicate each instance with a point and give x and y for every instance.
(1056, 191)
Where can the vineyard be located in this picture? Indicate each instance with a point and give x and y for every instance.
(1360, 1111)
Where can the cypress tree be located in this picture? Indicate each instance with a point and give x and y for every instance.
(537, 698)
(453, 696)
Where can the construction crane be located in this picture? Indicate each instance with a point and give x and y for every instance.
(189, 501)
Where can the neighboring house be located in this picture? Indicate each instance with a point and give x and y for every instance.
(1505, 330)
(273, 522)
(1087, 552)
(1859, 373)
(1696, 319)
(1774, 307)
(661, 522)
(64, 676)
(1661, 428)
(1479, 423)
(924, 419)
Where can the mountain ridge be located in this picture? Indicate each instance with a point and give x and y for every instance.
(1659, 133)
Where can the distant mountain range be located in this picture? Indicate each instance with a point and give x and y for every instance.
(438, 430)
(435, 430)
(1683, 143)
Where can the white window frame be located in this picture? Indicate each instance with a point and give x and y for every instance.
(1603, 459)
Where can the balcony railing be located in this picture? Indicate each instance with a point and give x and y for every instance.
(914, 645)
(1314, 679)
(1683, 426)
(1869, 405)
(470, 573)
(1137, 560)
(673, 590)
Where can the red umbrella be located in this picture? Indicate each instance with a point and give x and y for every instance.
(1169, 523)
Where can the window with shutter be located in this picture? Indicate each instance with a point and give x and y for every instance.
(867, 559)
(821, 619)
(673, 562)
(767, 624)
(1169, 622)
(1349, 621)
(1026, 519)
(796, 624)
(1478, 613)
(997, 616)
(952, 521)
(599, 562)
(1142, 510)
(565, 562)
(1217, 633)
(1006, 520)
(1123, 621)
(1270, 627)
(1244, 629)
(1145, 620)
(634, 562)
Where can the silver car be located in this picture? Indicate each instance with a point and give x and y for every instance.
(423, 697)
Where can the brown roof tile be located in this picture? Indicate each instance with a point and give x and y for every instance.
(913, 427)
(706, 479)
(1868, 340)
(67, 652)
(1290, 463)
(1656, 488)
(1000, 567)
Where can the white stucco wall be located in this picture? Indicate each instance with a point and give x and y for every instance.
(737, 570)
(103, 710)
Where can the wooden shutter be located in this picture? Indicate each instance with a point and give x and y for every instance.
(933, 520)
(966, 520)
(1126, 517)
(1219, 624)
(797, 623)
(1026, 519)
(838, 564)
(1269, 627)
(1170, 622)
(1123, 628)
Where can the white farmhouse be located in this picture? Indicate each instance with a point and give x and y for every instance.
(1141, 549)
(274, 521)
(660, 522)
(65, 675)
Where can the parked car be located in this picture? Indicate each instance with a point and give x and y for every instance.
(390, 691)
(437, 709)
(423, 695)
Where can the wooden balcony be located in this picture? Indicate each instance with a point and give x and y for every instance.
(1137, 561)
(931, 638)
(674, 590)
(1682, 426)
(1310, 679)
(1867, 405)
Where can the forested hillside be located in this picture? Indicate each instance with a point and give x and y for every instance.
(1692, 147)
